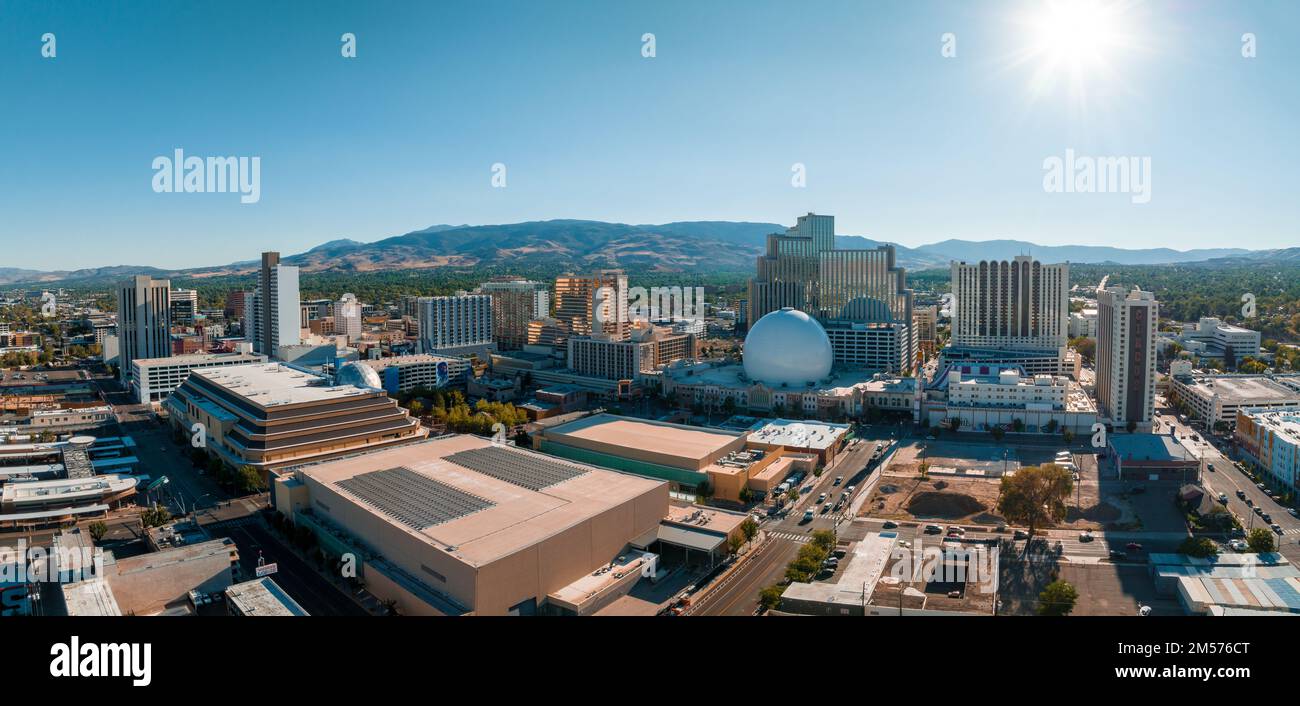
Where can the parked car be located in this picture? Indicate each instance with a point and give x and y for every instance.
(826, 508)
(1210, 466)
(838, 480)
(1223, 498)
(1267, 518)
(1259, 511)
(821, 498)
(1241, 494)
(1085, 536)
(1238, 545)
(889, 524)
(1117, 555)
(934, 529)
(849, 490)
(1292, 511)
(1020, 534)
(1276, 528)
(1261, 486)
(956, 529)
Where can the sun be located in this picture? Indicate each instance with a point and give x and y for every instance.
(1073, 45)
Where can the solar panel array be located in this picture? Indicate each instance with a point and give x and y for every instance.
(415, 500)
(524, 470)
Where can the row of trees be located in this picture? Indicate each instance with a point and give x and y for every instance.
(806, 565)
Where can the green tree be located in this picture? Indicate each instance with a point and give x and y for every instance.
(1057, 598)
(749, 528)
(97, 530)
(1260, 540)
(1200, 547)
(734, 543)
(770, 597)
(249, 480)
(1035, 496)
(997, 432)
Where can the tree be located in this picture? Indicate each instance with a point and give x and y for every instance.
(704, 491)
(770, 597)
(1067, 436)
(97, 530)
(249, 480)
(1131, 426)
(749, 528)
(1058, 598)
(1035, 496)
(1260, 540)
(416, 407)
(1050, 426)
(734, 543)
(1200, 547)
(998, 432)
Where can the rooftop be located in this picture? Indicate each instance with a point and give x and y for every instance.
(1149, 447)
(1257, 388)
(472, 499)
(197, 359)
(662, 437)
(802, 435)
(262, 597)
(1284, 424)
(271, 384)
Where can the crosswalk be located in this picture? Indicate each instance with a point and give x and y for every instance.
(791, 536)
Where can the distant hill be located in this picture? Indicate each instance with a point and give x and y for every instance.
(578, 245)
(971, 250)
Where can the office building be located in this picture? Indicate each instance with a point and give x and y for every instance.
(1126, 356)
(1216, 398)
(1083, 323)
(153, 379)
(276, 316)
(515, 302)
(184, 306)
(592, 304)
(647, 349)
(1010, 313)
(985, 397)
(143, 322)
(347, 318)
(269, 415)
(925, 319)
(456, 324)
(1212, 338)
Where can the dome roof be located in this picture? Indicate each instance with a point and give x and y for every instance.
(358, 374)
(787, 347)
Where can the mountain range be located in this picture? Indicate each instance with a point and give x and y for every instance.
(579, 245)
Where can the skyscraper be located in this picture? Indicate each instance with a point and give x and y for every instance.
(590, 304)
(276, 312)
(1126, 356)
(184, 306)
(456, 324)
(515, 302)
(347, 318)
(1010, 313)
(859, 295)
(143, 322)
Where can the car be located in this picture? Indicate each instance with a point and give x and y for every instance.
(840, 553)
(1000, 528)
(1267, 518)
(1292, 512)
(832, 562)
(808, 515)
(889, 524)
(1276, 498)
(838, 480)
(1276, 528)
(934, 529)
(1117, 555)
(1223, 498)
(1241, 494)
(1085, 536)
(1238, 545)
(1020, 534)
(821, 498)
(956, 529)
(1133, 547)
(849, 490)
(1261, 486)
(826, 508)
(1210, 466)
(1259, 511)
(1250, 503)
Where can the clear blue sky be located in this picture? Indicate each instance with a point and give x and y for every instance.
(900, 143)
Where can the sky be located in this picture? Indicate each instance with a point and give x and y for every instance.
(899, 141)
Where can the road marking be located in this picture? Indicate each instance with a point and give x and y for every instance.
(791, 536)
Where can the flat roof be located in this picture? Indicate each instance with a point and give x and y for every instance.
(198, 358)
(509, 515)
(92, 597)
(263, 597)
(797, 434)
(1149, 447)
(271, 384)
(661, 437)
(1238, 387)
(1285, 424)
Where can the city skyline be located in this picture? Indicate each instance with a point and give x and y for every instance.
(903, 143)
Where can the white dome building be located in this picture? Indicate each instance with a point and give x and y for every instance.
(360, 375)
(787, 347)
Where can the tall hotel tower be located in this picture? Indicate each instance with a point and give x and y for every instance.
(1010, 313)
(1126, 356)
(595, 304)
(860, 296)
(143, 322)
(276, 311)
